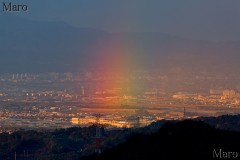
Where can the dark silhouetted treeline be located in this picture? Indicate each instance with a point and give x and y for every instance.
(193, 140)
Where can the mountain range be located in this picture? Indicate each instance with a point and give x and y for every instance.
(42, 46)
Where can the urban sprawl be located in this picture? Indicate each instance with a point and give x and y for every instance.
(61, 100)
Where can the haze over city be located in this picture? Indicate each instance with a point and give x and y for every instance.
(119, 66)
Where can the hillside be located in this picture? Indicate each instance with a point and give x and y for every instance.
(224, 122)
(163, 139)
(182, 140)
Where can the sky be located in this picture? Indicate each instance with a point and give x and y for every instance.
(198, 19)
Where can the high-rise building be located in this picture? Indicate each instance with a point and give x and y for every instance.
(83, 91)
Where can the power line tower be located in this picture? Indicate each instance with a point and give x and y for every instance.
(184, 112)
(98, 137)
(137, 124)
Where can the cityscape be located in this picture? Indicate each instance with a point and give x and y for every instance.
(119, 80)
(63, 100)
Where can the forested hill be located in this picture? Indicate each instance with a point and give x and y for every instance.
(163, 139)
(183, 140)
(225, 122)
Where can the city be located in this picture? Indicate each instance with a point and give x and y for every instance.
(63, 100)
(119, 80)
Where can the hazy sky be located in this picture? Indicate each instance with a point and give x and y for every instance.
(198, 19)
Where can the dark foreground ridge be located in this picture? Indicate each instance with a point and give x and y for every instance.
(165, 140)
(182, 140)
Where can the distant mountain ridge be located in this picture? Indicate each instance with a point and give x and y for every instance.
(35, 46)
